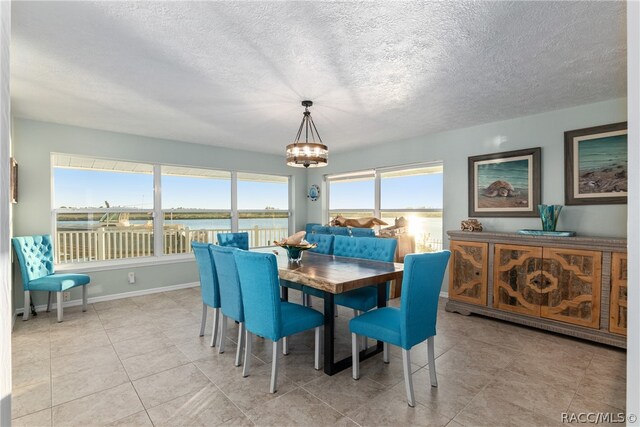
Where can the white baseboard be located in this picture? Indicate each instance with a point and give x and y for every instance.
(444, 295)
(102, 298)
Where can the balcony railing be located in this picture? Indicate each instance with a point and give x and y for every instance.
(107, 244)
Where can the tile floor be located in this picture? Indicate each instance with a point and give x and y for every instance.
(140, 362)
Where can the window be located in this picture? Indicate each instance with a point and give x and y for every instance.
(103, 209)
(416, 195)
(196, 206)
(110, 209)
(352, 195)
(412, 192)
(263, 207)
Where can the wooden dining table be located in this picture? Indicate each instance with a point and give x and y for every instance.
(334, 275)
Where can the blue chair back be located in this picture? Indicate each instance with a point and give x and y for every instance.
(309, 227)
(236, 240)
(372, 248)
(228, 282)
(260, 286)
(421, 285)
(35, 255)
(208, 277)
(336, 231)
(324, 241)
(362, 232)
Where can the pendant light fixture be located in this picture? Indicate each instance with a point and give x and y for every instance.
(304, 154)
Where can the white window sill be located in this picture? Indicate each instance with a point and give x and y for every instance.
(120, 264)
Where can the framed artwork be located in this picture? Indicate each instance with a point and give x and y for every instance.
(505, 184)
(595, 165)
(14, 181)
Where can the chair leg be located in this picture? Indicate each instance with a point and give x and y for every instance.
(49, 301)
(240, 343)
(408, 379)
(247, 353)
(309, 303)
(385, 352)
(203, 320)
(335, 310)
(274, 366)
(27, 305)
(59, 306)
(432, 362)
(214, 332)
(355, 357)
(85, 297)
(317, 348)
(223, 334)
(285, 346)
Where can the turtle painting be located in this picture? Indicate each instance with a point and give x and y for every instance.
(500, 189)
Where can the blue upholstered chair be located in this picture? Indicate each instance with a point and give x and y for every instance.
(230, 294)
(362, 232)
(324, 241)
(265, 314)
(35, 255)
(209, 289)
(413, 322)
(373, 248)
(309, 227)
(236, 240)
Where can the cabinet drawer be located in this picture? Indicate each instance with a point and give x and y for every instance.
(618, 302)
(516, 278)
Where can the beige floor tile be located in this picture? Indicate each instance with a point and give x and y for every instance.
(612, 367)
(139, 419)
(37, 419)
(388, 374)
(91, 358)
(168, 385)
(608, 390)
(128, 332)
(490, 411)
(297, 407)
(198, 348)
(112, 304)
(553, 371)
(205, 407)
(100, 408)
(119, 320)
(220, 368)
(33, 325)
(74, 344)
(83, 383)
(391, 409)
(30, 399)
(29, 352)
(343, 393)
(141, 345)
(153, 362)
(582, 405)
(28, 373)
(253, 390)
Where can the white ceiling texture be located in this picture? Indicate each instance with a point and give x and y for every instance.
(233, 73)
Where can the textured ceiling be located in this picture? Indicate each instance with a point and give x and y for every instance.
(233, 73)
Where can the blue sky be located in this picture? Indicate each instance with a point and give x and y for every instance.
(83, 188)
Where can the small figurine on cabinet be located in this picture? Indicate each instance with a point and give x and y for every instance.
(471, 225)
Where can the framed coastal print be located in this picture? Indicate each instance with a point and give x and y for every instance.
(595, 165)
(505, 184)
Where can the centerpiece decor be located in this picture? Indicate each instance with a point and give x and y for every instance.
(295, 245)
(549, 215)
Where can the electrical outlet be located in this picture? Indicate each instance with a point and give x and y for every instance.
(132, 277)
(66, 296)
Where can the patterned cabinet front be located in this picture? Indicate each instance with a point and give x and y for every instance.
(468, 272)
(618, 308)
(517, 278)
(570, 286)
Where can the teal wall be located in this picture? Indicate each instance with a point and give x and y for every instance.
(35, 141)
(454, 147)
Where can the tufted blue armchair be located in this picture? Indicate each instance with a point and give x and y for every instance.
(324, 241)
(35, 255)
(236, 240)
(362, 232)
(209, 289)
(412, 323)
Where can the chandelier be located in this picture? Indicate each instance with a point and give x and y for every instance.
(304, 154)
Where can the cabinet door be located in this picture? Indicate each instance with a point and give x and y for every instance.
(517, 278)
(468, 272)
(571, 286)
(618, 308)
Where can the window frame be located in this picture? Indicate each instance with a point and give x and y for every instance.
(157, 213)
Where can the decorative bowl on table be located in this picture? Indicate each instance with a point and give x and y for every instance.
(294, 252)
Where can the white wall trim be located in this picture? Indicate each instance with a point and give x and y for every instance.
(93, 300)
(444, 294)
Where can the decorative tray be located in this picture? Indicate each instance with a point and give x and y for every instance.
(547, 233)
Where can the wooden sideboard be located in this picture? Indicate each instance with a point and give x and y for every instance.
(571, 285)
